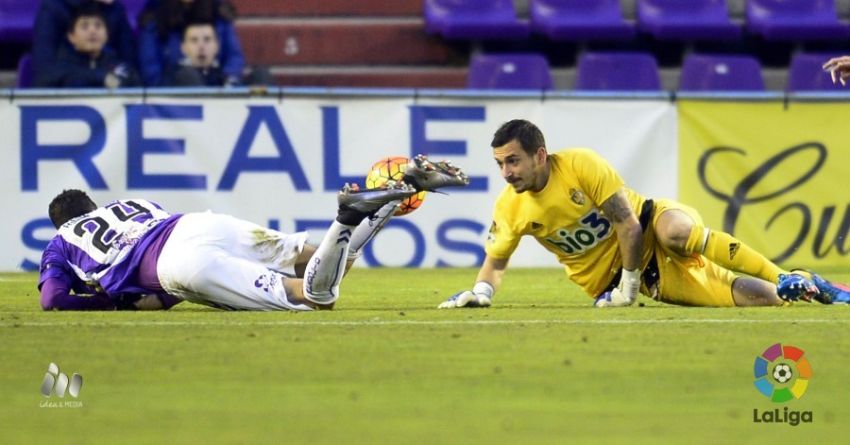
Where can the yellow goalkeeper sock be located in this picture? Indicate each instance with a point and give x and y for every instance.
(729, 252)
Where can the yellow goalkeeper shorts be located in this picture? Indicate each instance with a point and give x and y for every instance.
(690, 281)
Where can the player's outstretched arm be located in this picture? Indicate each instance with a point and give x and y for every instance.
(630, 238)
(56, 295)
(488, 281)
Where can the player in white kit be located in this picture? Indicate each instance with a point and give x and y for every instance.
(131, 254)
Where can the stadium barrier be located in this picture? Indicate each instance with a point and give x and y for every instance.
(278, 159)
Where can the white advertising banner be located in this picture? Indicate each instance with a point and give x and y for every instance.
(280, 162)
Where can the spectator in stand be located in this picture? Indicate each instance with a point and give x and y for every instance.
(199, 65)
(87, 61)
(52, 22)
(161, 36)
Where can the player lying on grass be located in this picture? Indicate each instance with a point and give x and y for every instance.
(615, 243)
(131, 254)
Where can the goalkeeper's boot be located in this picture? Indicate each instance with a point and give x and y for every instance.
(828, 292)
(424, 174)
(355, 203)
(794, 286)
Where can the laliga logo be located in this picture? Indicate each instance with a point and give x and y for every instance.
(784, 365)
(782, 374)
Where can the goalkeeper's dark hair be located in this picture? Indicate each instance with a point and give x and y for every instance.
(68, 205)
(527, 134)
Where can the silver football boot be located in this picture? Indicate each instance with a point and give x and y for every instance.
(423, 174)
(367, 201)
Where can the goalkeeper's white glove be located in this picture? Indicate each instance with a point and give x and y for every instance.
(481, 295)
(623, 295)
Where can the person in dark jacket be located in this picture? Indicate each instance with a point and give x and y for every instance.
(161, 36)
(52, 22)
(87, 61)
(199, 65)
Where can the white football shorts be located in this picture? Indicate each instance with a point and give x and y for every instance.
(228, 263)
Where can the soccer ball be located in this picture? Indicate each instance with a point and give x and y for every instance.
(392, 169)
(782, 373)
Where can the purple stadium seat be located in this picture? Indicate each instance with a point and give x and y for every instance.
(795, 20)
(474, 19)
(579, 20)
(16, 20)
(806, 73)
(618, 72)
(26, 73)
(721, 73)
(686, 20)
(509, 72)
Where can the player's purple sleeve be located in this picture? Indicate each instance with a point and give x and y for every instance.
(55, 295)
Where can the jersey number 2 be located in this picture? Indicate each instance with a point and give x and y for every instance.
(102, 236)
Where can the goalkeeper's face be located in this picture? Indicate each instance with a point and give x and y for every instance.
(521, 170)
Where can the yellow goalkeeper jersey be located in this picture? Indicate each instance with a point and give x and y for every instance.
(565, 218)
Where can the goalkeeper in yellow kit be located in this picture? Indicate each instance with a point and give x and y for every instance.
(615, 243)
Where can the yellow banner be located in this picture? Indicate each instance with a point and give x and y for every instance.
(775, 175)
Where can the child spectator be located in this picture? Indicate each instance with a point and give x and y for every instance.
(86, 61)
(53, 20)
(161, 36)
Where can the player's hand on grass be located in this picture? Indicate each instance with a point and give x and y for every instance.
(481, 295)
(613, 298)
(623, 295)
(465, 299)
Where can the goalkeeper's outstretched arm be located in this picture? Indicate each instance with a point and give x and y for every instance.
(488, 281)
(491, 272)
(630, 238)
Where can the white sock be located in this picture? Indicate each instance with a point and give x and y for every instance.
(327, 265)
(370, 227)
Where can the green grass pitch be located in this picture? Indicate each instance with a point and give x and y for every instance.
(541, 366)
